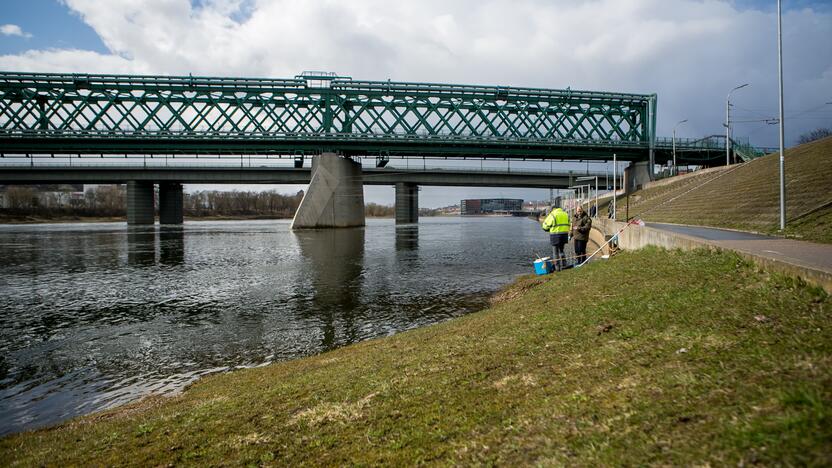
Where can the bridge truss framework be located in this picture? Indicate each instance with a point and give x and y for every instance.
(317, 113)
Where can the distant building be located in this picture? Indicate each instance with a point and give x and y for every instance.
(484, 206)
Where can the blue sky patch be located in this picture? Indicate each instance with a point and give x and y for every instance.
(52, 26)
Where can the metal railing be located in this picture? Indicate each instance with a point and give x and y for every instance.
(46, 107)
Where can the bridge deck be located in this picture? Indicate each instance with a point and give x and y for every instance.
(71, 113)
(313, 114)
(281, 175)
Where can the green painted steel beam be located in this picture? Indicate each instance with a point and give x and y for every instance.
(317, 111)
(40, 112)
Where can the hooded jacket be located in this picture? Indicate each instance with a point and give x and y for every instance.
(581, 225)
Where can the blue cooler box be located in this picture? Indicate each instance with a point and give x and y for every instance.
(543, 266)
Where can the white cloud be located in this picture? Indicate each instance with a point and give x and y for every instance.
(13, 30)
(690, 52)
(70, 60)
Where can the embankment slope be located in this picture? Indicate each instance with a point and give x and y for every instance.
(615, 363)
(747, 196)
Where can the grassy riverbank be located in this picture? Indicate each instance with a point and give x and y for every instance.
(651, 357)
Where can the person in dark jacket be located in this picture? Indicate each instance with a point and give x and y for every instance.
(581, 225)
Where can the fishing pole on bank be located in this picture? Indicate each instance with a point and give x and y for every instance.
(636, 220)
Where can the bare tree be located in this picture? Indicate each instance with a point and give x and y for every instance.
(267, 204)
(378, 211)
(814, 135)
(21, 197)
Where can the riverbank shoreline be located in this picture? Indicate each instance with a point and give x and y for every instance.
(729, 366)
(26, 220)
(118, 219)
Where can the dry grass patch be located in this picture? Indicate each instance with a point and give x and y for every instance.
(333, 412)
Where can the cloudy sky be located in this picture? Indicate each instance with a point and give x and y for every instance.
(689, 52)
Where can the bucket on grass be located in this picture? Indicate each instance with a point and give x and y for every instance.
(543, 266)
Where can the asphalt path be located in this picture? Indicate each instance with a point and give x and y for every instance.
(796, 252)
(710, 233)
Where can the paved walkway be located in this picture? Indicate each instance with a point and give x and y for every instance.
(795, 252)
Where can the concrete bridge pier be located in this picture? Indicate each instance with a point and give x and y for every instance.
(636, 175)
(407, 203)
(335, 197)
(171, 210)
(140, 203)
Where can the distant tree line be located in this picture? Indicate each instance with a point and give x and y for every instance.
(814, 135)
(111, 201)
(378, 211)
(429, 212)
(215, 203)
(386, 211)
(103, 201)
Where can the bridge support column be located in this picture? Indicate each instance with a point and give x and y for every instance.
(171, 210)
(636, 175)
(335, 197)
(407, 203)
(140, 206)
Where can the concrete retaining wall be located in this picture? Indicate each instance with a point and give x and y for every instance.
(597, 238)
(637, 237)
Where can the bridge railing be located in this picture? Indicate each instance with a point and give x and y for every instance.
(246, 163)
(116, 106)
(175, 134)
(741, 146)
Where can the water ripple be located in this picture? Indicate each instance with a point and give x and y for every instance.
(96, 315)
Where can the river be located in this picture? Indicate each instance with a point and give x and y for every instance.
(96, 315)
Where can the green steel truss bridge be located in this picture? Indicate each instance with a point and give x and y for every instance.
(319, 112)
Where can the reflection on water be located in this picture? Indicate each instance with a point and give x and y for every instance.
(171, 245)
(407, 238)
(93, 315)
(144, 242)
(141, 246)
(334, 260)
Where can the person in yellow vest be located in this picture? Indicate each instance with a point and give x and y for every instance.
(557, 225)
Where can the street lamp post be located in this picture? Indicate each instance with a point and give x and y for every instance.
(614, 184)
(728, 123)
(675, 170)
(782, 158)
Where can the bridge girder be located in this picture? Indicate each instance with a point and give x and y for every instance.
(285, 175)
(49, 113)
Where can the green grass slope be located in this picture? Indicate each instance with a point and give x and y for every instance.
(615, 363)
(815, 226)
(748, 196)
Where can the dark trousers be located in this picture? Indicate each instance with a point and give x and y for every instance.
(558, 244)
(580, 251)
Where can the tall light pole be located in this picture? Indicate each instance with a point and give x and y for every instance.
(728, 123)
(782, 157)
(675, 171)
(614, 184)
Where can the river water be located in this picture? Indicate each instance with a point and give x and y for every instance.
(95, 315)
